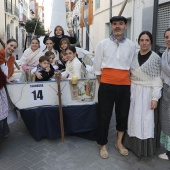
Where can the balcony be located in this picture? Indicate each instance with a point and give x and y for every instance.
(22, 19)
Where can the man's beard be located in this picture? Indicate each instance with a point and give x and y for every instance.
(118, 33)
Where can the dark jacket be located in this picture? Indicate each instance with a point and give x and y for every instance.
(62, 65)
(2, 79)
(56, 40)
(46, 75)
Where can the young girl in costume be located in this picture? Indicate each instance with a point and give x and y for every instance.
(73, 65)
(62, 61)
(31, 55)
(49, 47)
(64, 43)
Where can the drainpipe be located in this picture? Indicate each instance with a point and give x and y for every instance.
(133, 20)
(154, 26)
(110, 13)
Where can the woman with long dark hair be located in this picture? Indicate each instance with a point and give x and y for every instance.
(7, 59)
(146, 85)
(73, 65)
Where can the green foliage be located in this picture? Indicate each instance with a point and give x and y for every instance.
(30, 26)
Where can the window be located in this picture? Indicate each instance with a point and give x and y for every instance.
(97, 4)
(128, 30)
(107, 30)
(8, 32)
(16, 29)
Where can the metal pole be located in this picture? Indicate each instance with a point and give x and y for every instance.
(110, 9)
(123, 7)
(110, 13)
(154, 26)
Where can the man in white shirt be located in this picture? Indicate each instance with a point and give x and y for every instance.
(113, 57)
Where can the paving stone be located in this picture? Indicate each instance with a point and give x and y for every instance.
(38, 165)
(15, 166)
(141, 166)
(23, 168)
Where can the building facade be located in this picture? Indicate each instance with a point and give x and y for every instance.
(9, 16)
(82, 17)
(139, 14)
(23, 16)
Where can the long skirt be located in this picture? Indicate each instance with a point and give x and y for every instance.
(142, 137)
(165, 117)
(4, 129)
(165, 140)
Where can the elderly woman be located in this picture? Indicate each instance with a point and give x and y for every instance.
(6, 71)
(165, 101)
(146, 85)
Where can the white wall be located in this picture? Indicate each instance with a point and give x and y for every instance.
(133, 11)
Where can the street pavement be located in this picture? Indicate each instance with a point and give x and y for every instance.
(21, 152)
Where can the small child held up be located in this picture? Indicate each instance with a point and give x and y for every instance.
(44, 69)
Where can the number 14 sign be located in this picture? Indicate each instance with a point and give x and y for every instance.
(37, 93)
